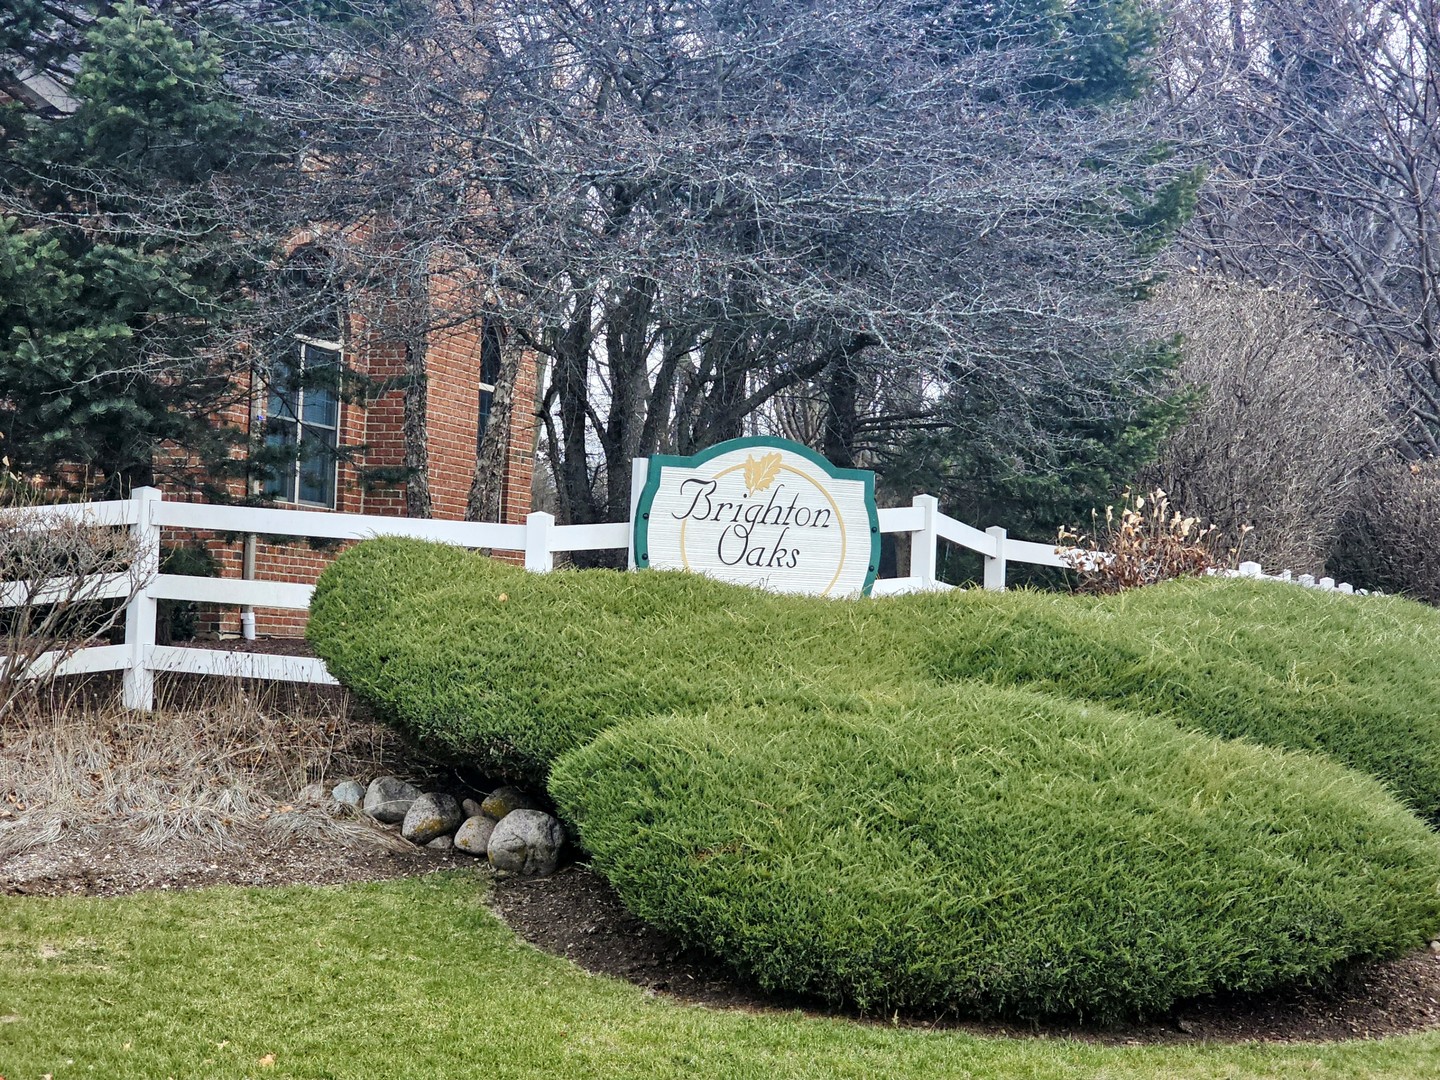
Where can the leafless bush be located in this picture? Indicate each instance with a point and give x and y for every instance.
(1142, 542)
(1285, 424)
(64, 582)
(1396, 524)
(214, 766)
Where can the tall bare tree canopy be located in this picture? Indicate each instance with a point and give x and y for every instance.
(1324, 119)
(690, 209)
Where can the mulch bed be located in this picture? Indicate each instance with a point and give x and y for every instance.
(576, 914)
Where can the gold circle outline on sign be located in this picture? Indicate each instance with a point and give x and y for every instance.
(839, 520)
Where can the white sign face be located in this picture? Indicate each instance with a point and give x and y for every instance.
(763, 512)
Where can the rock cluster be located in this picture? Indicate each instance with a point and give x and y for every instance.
(508, 826)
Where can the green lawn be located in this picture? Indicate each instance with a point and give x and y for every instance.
(416, 978)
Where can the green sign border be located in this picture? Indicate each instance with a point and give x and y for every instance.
(660, 461)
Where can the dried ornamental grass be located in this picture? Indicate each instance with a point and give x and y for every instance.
(1147, 541)
(212, 766)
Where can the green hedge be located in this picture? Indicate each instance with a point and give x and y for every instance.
(421, 632)
(831, 794)
(998, 852)
(1356, 678)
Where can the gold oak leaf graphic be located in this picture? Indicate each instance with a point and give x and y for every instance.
(760, 473)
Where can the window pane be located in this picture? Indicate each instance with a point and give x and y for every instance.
(317, 465)
(487, 398)
(490, 353)
(280, 444)
(321, 407)
(281, 405)
(322, 376)
(321, 363)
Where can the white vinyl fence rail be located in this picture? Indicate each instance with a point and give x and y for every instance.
(146, 514)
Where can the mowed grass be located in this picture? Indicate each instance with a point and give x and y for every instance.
(416, 978)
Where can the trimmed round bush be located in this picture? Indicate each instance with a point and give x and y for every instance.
(1357, 678)
(485, 662)
(998, 852)
(506, 669)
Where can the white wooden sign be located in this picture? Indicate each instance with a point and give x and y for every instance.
(761, 511)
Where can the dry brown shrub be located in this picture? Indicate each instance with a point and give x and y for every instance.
(64, 583)
(1397, 529)
(216, 763)
(1286, 423)
(1144, 541)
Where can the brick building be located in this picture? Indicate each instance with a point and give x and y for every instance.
(337, 443)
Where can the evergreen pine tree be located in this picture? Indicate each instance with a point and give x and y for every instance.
(120, 276)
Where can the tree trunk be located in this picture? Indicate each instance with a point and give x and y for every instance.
(486, 501)
(842, 389)
(417, 397)
(417, 435)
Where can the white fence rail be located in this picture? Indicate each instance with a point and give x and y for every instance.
(539, 539)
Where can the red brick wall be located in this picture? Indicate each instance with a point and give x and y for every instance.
(453, 415)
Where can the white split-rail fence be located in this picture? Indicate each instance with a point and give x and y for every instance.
(146, 513)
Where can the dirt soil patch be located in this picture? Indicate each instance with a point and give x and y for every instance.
(577, 915)
(113, 863)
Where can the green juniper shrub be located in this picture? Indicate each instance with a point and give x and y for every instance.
(1356, 678)
(792, 783)
(998, 852)
(178, 620)
(484, 661)
(508, 669)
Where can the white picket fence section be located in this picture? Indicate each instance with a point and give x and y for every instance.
(147, 513)
(1308, 581)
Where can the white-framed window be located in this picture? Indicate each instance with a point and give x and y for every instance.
(302, 423)
(489, 375)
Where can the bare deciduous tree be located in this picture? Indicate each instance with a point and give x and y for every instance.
(1324, 119)
(64, 583)
(689, 209)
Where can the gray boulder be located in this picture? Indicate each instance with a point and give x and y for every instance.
(349, 793)
(441, 843)
(432, 814)
(388, 798)
(527, 842)
(473, 838)
(471, 808)
(506, 800)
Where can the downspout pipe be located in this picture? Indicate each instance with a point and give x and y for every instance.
(247, 571)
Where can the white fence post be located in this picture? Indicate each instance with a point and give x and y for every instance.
(924, 542)
(639, 473)
(995, 565)
(138, 685)
(537, 542)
